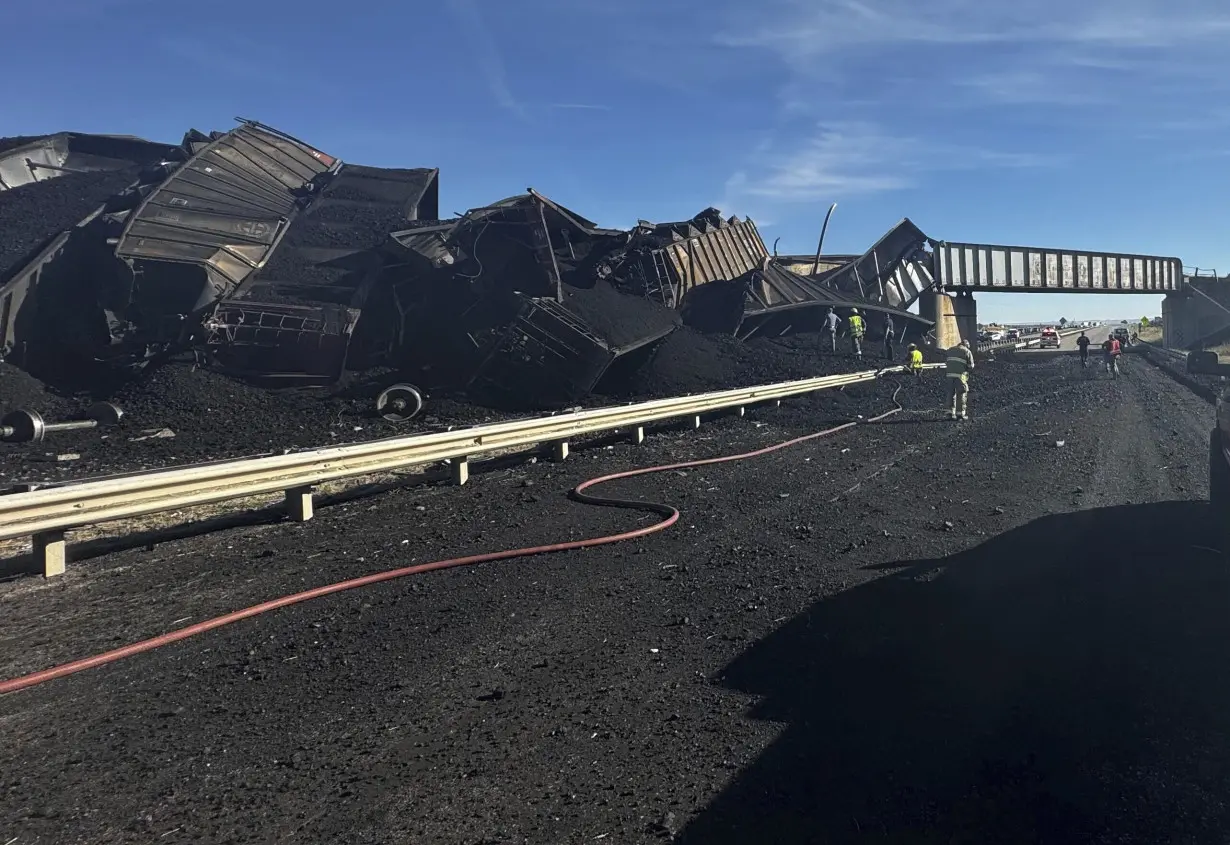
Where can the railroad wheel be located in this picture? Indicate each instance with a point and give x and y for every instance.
(399, 403)
(1219, 492)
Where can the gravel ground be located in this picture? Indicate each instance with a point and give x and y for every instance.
(915, 632)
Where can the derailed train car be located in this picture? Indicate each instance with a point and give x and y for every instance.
(275, 261)
(175, 263)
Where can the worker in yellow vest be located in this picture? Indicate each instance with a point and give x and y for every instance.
(915, 360)
(858, 328)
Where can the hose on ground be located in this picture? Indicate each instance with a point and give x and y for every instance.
(669, 514)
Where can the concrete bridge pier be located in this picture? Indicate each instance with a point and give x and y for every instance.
(1196, 311)
(955, 316)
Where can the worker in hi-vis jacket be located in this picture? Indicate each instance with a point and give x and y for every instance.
(959, 365)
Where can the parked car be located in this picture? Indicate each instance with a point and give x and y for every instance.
(1049, 339)
(1121, 334)
(1014, 334)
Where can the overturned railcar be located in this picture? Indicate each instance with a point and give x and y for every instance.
(510, 303)
(721, 276)
(183, 260)
(274, 261)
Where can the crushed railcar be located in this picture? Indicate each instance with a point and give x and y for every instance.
(273, 261)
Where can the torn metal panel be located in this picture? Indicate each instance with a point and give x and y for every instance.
(333, 249)
(43, 308)
(873, 275)
(279, 343)
(545, 358)
(530, 244)
(780, 301)
(429, 243)
(724, 279)
(51, 156)
(806, 265)
(577, 221)
(1026, 269)
(226, 207)
(911, 280)
(18, 299)
(724, 253)
(665, 261)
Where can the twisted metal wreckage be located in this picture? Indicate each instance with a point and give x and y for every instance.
(275, 261)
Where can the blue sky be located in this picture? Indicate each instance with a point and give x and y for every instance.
(1083, 124)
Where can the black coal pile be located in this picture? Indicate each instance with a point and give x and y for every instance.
(620, 319)
(19, 389)
(31, 215)
(318, 260)
(17, 141)
(691, 362)
(179, 413)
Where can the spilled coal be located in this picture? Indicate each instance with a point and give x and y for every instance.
(31, 215)
(179, 413)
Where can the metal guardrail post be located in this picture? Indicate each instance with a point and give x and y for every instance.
(51, 552)
(299, 504)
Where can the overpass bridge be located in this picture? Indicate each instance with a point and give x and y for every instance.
(905, 266)
(962, 267)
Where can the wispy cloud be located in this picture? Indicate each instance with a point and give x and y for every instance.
(998, 51)
(805, 28)
(487, 53)
(901, 90)
(580, 106)
(1021, 87)
(228, 55)
(841, 160)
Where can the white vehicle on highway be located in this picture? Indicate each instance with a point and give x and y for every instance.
(1048, 338)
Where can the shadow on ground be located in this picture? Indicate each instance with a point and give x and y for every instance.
(1068, 681)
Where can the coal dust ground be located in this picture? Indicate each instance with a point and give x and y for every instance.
(915, 632)
(181, 414)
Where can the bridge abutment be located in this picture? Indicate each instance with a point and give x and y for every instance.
(955, 317)
(1194, 313)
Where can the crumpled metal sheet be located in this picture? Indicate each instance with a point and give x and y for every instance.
(51, 156)
(226, 208)
(709, 250)
(893, 273)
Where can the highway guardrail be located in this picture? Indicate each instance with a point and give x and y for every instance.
(45, 514)
(1177, 354)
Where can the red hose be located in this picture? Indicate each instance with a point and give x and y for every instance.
(671, 516)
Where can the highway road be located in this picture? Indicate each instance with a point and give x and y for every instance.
(1068, 343)
(1095, 335)
(1007, 630)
